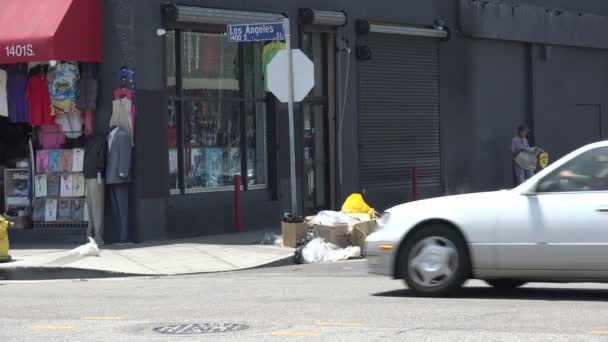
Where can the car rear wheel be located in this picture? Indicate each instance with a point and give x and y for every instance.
(435, 261)
(505, 284)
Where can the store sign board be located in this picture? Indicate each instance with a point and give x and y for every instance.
(303, 75)
(256, 32)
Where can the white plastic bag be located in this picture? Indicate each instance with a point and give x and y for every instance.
(318, 250)
(272, 239)
(333, 218)
(90, 249)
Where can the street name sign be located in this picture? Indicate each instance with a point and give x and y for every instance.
(256, 32)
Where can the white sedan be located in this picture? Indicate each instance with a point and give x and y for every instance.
(552, 228)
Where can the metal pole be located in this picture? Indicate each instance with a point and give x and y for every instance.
(292, 147)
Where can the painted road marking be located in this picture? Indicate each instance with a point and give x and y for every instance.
(103, 318)
(338, 324)
(295, 333)
(53, 327)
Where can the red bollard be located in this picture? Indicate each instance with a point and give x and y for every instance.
(238, 217)
(415, 183)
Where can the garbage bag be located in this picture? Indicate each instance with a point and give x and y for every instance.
(318, 251)
(356, 205)
(333, 218)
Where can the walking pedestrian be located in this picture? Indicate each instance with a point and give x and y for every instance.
(520, 143)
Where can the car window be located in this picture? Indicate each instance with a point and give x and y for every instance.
(586, 172)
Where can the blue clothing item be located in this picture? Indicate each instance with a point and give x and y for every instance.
(63, 81)
(18, 111)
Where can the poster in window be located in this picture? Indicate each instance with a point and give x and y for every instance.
(214, 166)
(197, 162)
(234, 161)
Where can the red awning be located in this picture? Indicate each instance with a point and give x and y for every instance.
(43, 30)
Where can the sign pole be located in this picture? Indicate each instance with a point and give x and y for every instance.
(292, 147)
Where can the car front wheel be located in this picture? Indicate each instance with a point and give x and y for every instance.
(435, 261)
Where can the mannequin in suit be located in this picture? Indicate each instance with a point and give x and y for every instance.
(118, 177)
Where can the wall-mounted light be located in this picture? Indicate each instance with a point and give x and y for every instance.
(161, 32)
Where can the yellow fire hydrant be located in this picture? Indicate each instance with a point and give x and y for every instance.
(4, 225)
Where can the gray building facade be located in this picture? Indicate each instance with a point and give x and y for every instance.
(435, 85)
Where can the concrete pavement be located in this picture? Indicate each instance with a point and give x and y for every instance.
(322, 302)
(197, 255)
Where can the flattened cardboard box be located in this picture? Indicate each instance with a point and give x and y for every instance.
(361, 231)
(292, 233)
(338, 235)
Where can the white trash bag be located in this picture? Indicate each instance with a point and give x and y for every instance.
(318, 250)
(90, 249)
(333, 218)
(76, 254)
(273, 240)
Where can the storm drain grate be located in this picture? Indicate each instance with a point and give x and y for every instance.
(203, 328)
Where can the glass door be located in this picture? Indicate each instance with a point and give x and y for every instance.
(318, 116)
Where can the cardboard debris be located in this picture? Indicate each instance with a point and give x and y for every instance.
(292, 233)
(337, 235)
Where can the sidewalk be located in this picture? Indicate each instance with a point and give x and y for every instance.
(174, 257)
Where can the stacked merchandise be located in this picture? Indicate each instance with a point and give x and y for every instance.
(59, 187)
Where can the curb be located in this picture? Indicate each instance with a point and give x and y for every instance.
(70, 273)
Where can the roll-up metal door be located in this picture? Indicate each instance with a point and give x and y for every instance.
(399, 118)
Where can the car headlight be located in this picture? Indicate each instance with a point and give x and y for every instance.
(383, 220)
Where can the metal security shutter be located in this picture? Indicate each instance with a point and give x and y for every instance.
(399, 118)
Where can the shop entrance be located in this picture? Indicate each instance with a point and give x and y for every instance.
(318, 114)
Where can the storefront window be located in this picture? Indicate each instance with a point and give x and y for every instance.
(219, 103)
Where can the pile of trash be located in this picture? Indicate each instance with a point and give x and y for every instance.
(329, 236)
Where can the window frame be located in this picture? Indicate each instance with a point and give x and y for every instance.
(559, 169)
(178, 99)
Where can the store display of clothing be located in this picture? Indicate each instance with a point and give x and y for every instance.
(39, 207)
(119, 196)
(77, 210)
(63, 87)
(51, 136)
(3, 93)
(87, 87)
(118, 175)
(42, 161)
(64, 209)
(121, 116)
(50, 214)
(40, 186)
(124, 92)
(54, 161)
(53, 182)
(16, 85)
(67, 185)
(95, 157)
(77, 160)
(78, 185)
(65, 163)
(71, 124)
(39, 100)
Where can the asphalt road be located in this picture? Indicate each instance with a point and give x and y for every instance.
(331, 302)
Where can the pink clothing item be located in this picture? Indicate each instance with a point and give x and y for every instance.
(51, 137)
(42, 161)
(88, 122)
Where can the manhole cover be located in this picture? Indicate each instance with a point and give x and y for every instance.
(203, 328)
